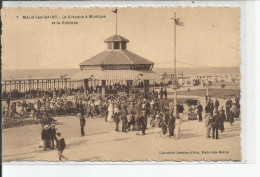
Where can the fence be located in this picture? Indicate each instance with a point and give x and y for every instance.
(39, 84)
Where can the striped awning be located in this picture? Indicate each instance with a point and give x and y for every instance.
(116, 75)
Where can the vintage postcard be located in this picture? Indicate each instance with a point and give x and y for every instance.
(121, 84)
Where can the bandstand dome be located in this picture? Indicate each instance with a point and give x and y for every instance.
(116, 63)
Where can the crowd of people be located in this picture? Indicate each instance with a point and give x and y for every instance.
(50, 106)
(133, 113)
(216, 115)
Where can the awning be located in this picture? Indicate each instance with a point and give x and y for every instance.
(116, 75)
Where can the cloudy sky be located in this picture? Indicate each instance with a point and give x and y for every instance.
(210, 36)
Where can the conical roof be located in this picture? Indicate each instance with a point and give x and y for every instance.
(116, 57)
(116, 38)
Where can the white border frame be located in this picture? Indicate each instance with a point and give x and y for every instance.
(249, 101)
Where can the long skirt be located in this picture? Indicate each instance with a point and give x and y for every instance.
(177, 127)
(109, 116)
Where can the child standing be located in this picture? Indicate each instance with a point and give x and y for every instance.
(61, 146)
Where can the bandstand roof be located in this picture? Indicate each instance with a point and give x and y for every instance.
(116, 57)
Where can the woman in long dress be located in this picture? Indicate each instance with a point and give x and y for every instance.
(110, 112)
(177, 127)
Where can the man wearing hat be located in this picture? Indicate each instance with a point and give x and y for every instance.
(208, 124)
(45, 137)
(215, 124)
(82, 124)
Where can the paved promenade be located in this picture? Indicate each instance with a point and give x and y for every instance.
(103, 143)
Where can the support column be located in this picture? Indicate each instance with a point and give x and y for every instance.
(86, 86)
(10, 89)
(103, 91)
(66, 89)
(30, 88)
(20, 86)
(37, 84)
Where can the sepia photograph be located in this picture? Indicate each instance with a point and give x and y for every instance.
(121, 84)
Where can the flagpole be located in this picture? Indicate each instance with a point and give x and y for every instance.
(175, 45)
(175, 77)
(116, 21)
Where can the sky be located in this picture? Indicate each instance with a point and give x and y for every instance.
(210, 36)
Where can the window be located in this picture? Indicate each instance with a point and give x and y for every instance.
(116, 45)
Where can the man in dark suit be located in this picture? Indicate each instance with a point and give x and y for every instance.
(207, 108)
(82, 125)
(200, 109)
(161, 93)
(142, 122)
(215, 124)
(46, 137)
(216, 104)
(124, 119)
(61, 146)
(165, 93)
(117, 120)
(211, 107)
(171, 126)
